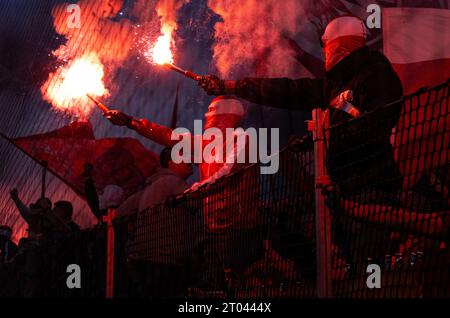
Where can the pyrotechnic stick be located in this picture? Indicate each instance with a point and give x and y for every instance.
(188, 74)
(99, 105)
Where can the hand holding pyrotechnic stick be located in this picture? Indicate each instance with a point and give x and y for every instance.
(188, 74)
(212, 85)
(116, 117)
(215, 86)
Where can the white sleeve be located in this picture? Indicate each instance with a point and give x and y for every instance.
(225, 169)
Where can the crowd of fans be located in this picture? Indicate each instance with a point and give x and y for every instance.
(51, 224)
(363, 190)
(219, 259)
(47, 224)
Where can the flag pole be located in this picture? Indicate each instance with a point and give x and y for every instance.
(44, 176)
(45, 168)
(11, 142)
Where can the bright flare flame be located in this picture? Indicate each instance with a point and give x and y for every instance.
(161, 52)
(66, 88)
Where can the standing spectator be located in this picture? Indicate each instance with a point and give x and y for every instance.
(42, 220)
(63, 212)
(223, 113)
(166, 182)
(156, 256)
(357, 81)
(231, 215)
(8, 251)
(7, 247)
(33, 214)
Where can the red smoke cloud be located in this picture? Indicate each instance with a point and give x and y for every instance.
(100, 42)
(250, 38)
(167, 10)
(111, 40)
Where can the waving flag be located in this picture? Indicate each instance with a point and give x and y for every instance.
(416, 42)
(122, 163)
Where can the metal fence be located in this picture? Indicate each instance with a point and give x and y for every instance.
(248, 235)
(353, 195)
(389, 205)
(42, 268)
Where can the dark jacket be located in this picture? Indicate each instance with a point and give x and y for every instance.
(93, 200)
(7, 250)
(359, 151)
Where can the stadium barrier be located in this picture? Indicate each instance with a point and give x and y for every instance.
(352, 205)
(390, 203)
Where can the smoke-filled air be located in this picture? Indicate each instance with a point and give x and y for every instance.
(250, 38)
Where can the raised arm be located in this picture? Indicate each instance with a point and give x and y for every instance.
(302, 94)
(157, 133)
(91, 193)
(24, 210)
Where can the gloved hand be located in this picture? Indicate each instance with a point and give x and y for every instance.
(212, 85)
(14, 194)
(300, 143)
(118, 118)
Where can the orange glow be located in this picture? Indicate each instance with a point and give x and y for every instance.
(161, 52)
(66, 88)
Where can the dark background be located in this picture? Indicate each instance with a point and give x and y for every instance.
(27, 38)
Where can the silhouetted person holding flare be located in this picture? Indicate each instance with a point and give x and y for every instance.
(357, 82)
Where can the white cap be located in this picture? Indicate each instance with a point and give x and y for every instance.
(225, 105)
(112, 196)
(344, 26)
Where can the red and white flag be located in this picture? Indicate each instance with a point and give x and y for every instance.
(417, 43)
(122, 163)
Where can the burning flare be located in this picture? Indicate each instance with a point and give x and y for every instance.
(161, 53)
(67, 88)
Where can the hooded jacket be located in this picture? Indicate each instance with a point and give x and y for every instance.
(162, 135)
(220, 212)
(359, 153)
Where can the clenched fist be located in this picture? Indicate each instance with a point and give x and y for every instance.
(118, 118)
(212, 85)
(14, 194)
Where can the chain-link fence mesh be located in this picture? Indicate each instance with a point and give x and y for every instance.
(60, 266)
(253, 235)
(247, 235)
(391, 203)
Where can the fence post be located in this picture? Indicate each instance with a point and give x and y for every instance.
(110, 242)
(320, 119)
